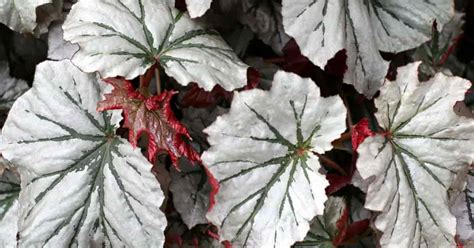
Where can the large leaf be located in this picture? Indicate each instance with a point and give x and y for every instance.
(10, 88)
(141, 33)
(21, 15)
(322, 28)
(9, 190)
(81, 185)
(413, 165)
(270, 185)
(197, 8)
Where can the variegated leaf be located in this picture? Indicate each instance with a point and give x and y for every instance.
(323, 27)
(81, 184)
(141, 33)
(413, 165)
(263, 153)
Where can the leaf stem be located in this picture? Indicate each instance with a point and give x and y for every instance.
(330, 163)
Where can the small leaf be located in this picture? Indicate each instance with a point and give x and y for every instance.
(322, 28)
(150, 32)
(82, 186)
(270, 185)
(152, 115)
(412, 166)
(191, 193)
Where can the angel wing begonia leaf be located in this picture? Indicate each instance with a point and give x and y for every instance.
(323, 27)
(413, 165)
(197, 8)
(270, 186)
(9, 191)
(21, 15)
(81, 185)
(152, 115)
(141, 33)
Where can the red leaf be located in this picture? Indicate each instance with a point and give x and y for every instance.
(152, 115)
(199, 98)
(337, 182)
(360, 131)
(348, 231)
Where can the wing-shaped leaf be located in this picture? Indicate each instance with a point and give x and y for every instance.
(141, 33)
(413, 165)
(323, 27)
(10, 88)
(9, 191)
(21, 15)
(270, 186)
(152, 115)
(81, 185)
(197, 8)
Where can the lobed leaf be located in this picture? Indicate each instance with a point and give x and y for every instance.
(81, 184)
(413, 165)
(140, 33)
(270, 184)
(323, 27)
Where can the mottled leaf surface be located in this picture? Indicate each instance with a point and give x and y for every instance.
(270, 184)
(413, 165)
(81, 185)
